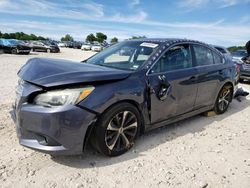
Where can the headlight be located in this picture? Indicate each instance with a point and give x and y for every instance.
(63, 97)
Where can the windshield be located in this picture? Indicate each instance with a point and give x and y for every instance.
(240, 53)
(128, 55)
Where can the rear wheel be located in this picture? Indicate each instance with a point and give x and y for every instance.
(223, 100)
(48, 50)
(116, 130)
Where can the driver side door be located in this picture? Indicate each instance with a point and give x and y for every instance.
(173, 84)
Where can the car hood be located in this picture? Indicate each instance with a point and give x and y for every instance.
(56, 72)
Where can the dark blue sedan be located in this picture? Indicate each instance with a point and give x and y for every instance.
(119, 93)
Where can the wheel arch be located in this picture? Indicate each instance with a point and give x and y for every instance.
(132, 102)
(229, 83)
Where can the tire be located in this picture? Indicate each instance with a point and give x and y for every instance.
(111, 135)
(14, 51)
(48, 50)
(223, 99)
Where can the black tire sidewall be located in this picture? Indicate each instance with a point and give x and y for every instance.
(14, 51)
(98, 138)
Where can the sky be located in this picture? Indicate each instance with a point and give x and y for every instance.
(221, 22)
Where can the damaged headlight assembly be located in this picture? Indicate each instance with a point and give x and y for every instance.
(62, 97)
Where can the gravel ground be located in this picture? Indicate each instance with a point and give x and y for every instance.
(198, 152)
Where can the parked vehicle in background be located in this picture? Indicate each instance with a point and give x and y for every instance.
(77, 45)
(240, 57)
(96, 48)
(61, 44)
(245, 66)
(86, 46)
(113, 97)
(69, 44)
(228, 55)
(223, 50)
(239, 54)
(38, 46)
(53, 47)
(44, 46)
(14, 46)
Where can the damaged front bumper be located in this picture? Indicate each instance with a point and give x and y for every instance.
(56, 130)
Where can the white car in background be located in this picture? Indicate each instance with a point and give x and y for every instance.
(61, 44)
(96, 48)
(86, 47)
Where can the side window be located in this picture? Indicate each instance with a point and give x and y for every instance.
(217, 58)
(176, 58)
(203, 55)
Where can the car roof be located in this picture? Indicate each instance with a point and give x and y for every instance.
(168, 41)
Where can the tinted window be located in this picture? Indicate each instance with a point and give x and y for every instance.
(178, 57)
(217, 58)
(203, 55)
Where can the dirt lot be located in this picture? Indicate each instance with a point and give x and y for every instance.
(198, 152)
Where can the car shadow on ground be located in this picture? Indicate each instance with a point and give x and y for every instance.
(150, 140)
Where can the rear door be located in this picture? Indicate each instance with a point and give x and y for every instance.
(210, 73)
(173, 84)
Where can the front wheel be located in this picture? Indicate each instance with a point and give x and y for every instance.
(116, 130)
(223, 100)
(14, 51)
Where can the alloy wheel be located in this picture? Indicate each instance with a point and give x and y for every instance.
(121, 131)
(224, 99)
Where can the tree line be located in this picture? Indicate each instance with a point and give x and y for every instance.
(235, 48)
(98, 37)
(21, 36)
